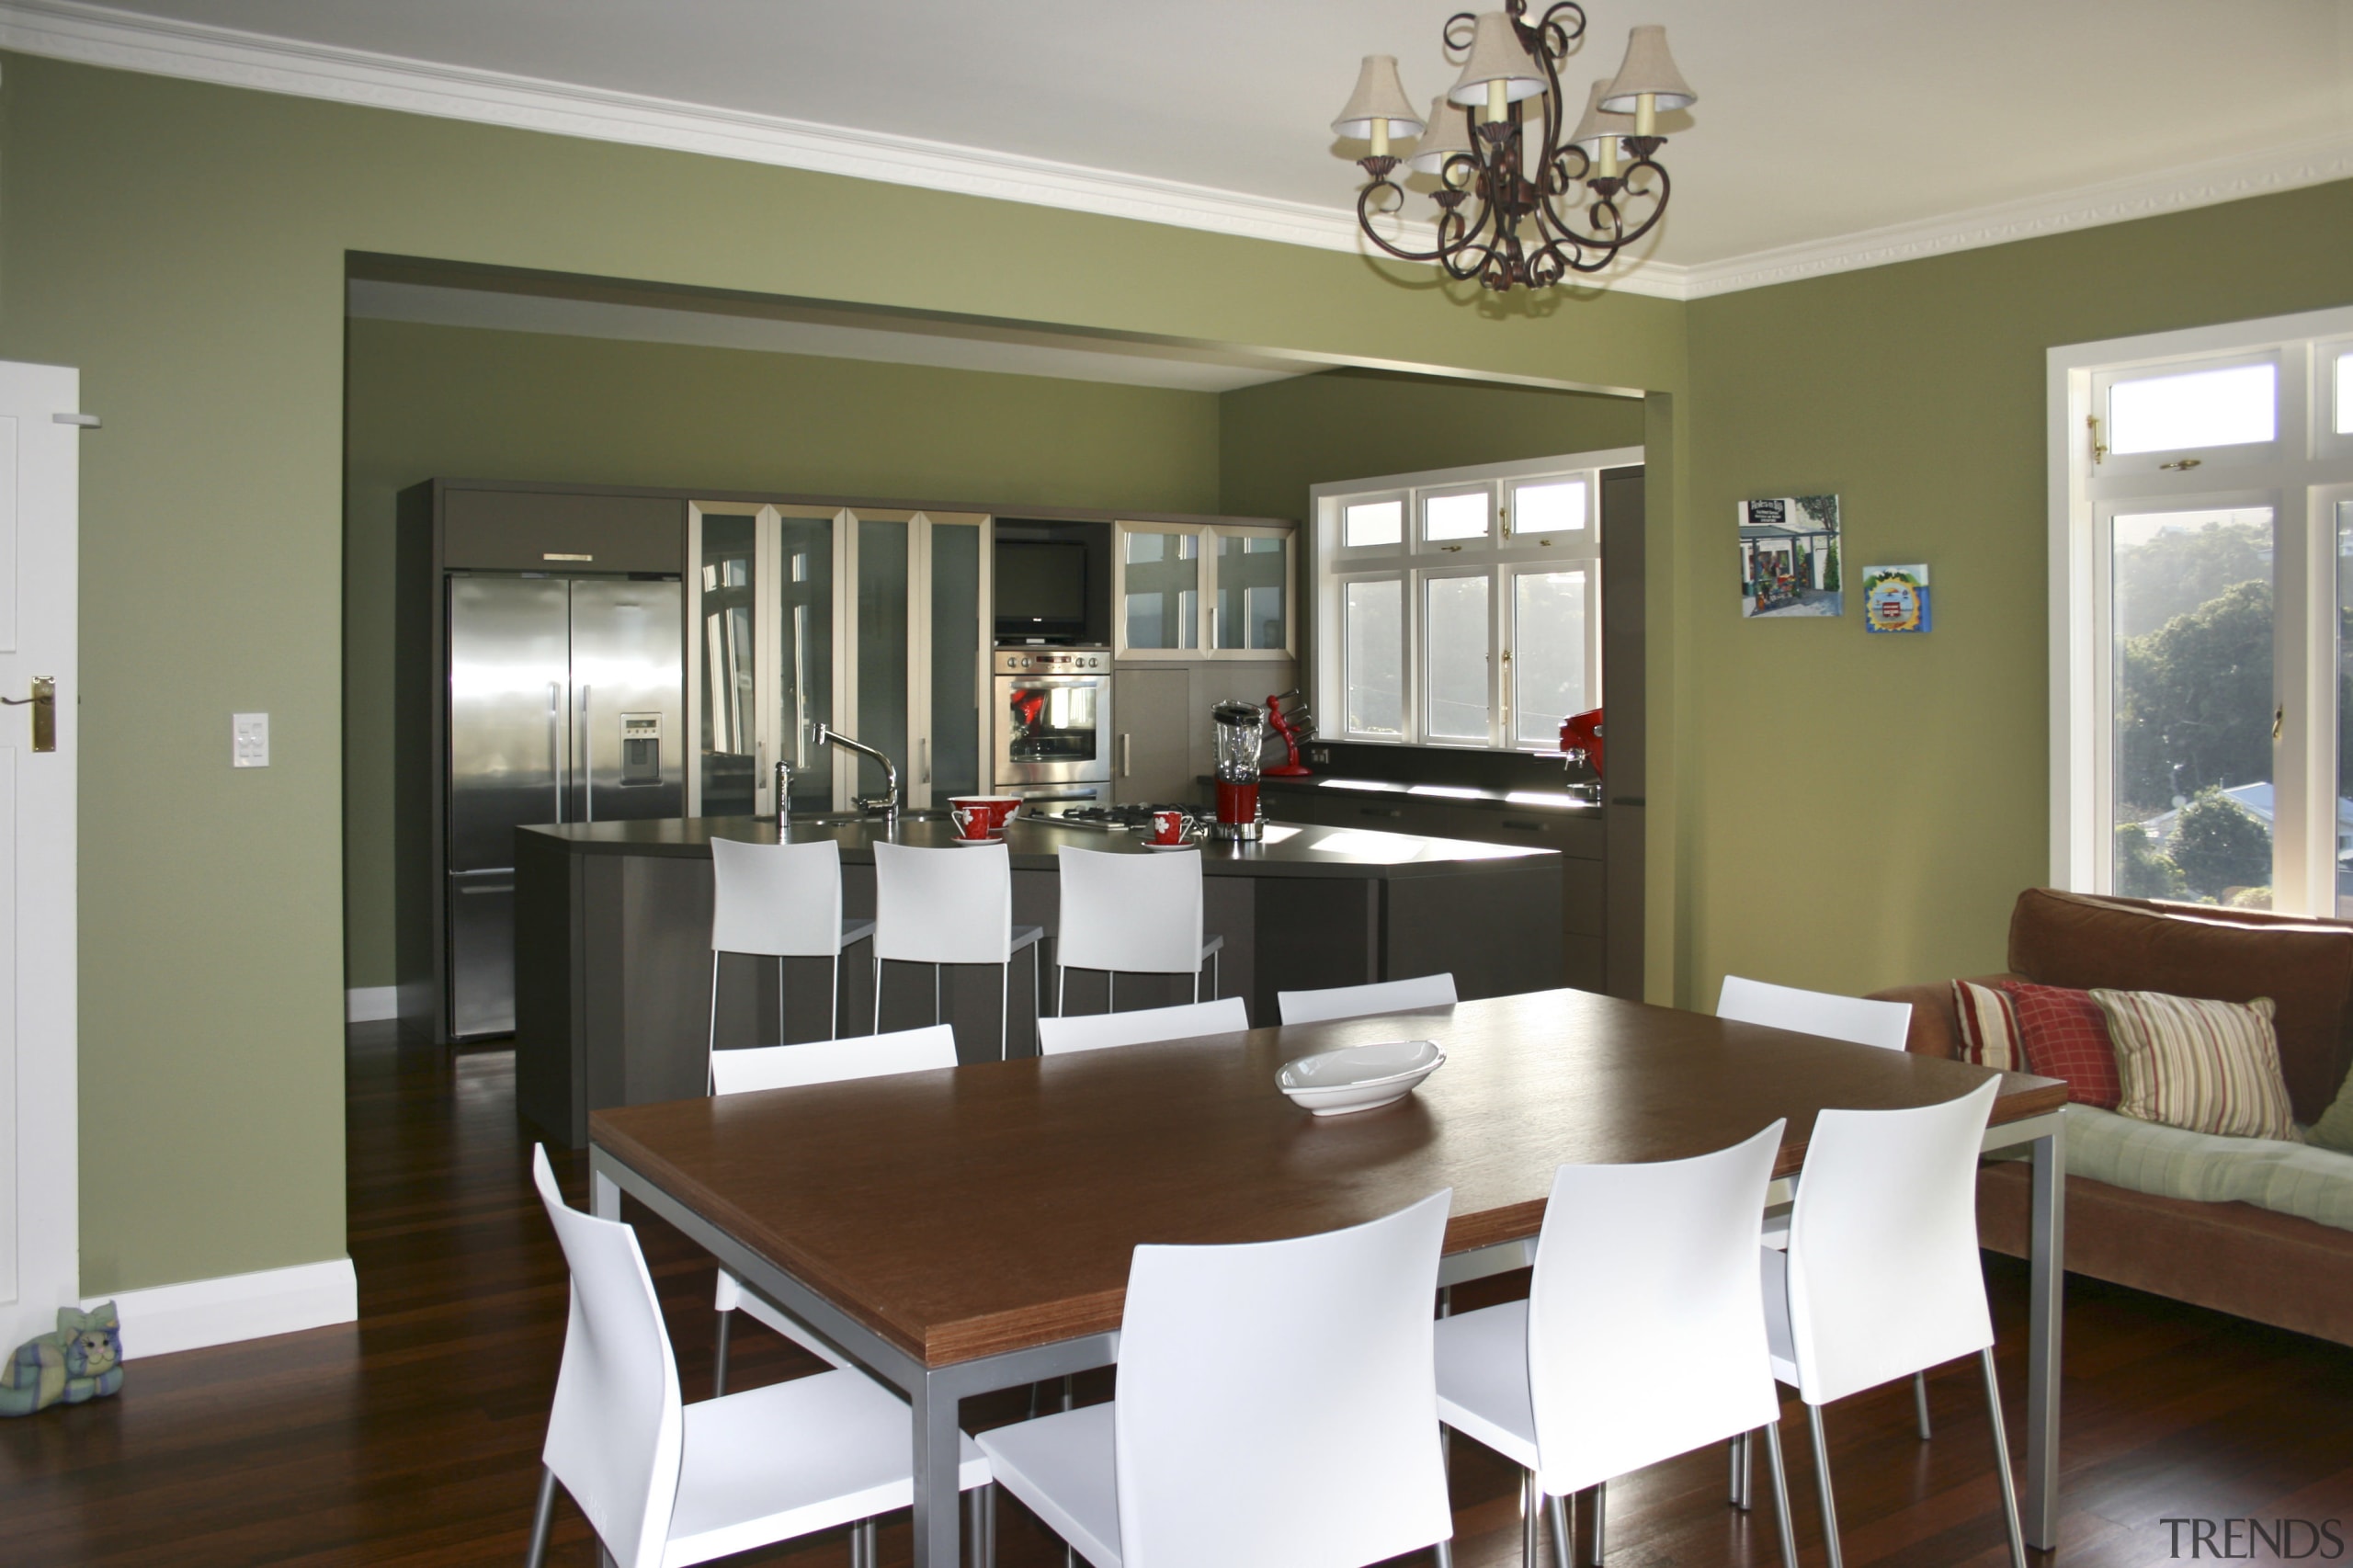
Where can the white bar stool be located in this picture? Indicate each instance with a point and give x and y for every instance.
(951, 905)
(780, 900)
(1238, 1440)
(1096, 1031)
(1132, 915)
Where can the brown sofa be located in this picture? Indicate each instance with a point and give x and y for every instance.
(2234, 1257)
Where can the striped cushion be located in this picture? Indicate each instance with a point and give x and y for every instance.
(1989, 1029)
(2198, 1065)
(2064, 1035)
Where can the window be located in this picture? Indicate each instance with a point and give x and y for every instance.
(2202, 704)
(1462, 608)
(1212, 591)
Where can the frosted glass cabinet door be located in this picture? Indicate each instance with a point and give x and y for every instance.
(805, 653)
(881, 649)
(728, 747)
(955, 755)
(1253, 591)
(1161, 575)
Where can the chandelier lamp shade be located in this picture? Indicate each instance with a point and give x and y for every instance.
(1524, 199)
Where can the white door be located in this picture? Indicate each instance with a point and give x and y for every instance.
(39, 1204)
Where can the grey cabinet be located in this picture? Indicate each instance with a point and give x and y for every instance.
(1152, 710)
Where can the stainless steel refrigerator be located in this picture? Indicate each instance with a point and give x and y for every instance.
(566, 701)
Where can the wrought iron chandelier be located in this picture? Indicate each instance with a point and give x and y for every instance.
(1518, 205)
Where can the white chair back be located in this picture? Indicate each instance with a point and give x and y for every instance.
(1133, 914)
(777, 899)
(615, 1431)
(1362, 1001)
(832, 1061)
(1883, 1273)
(1855, 1018)
(947, 905)
(1093, 1031)
(1307, 1435)
(1644, 1340)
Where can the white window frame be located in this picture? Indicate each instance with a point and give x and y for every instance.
(2300, 476)
(1206, 538)
(2327, 440)
(1501, 556)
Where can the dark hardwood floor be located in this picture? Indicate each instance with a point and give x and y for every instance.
(412, 1437)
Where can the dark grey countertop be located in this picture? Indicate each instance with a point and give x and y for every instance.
(1288, 850)
(1557, 800)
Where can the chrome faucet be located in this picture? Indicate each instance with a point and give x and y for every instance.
(886, 804)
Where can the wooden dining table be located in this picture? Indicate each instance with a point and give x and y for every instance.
(969, 1230)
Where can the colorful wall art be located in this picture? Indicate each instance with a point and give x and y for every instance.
(1895, 598)
(1788, 557)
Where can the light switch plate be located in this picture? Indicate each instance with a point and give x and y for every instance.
(249, 745)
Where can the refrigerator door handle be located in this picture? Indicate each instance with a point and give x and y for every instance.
(555, 744)
(588, 760)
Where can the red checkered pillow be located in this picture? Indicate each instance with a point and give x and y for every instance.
(1989, 1028)
(2064, 1035)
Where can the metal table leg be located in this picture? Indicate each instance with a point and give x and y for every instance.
(2047, 1263)
(937, 1455)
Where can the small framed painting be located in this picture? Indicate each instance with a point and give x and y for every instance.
(1788, 557)
(1895, 598)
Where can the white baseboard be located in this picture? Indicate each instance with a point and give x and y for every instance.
(371, 1003)
(188, 1316)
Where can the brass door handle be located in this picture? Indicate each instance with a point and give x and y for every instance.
(43, 702)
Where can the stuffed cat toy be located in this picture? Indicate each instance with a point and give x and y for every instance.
(82, 1361)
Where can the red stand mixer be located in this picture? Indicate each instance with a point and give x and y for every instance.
(1294, 727)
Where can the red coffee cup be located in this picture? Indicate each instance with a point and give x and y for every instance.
(982, 816)
(1170, 827)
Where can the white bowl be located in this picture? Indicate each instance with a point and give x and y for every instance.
(1360, 1077)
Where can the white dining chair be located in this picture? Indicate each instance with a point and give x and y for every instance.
(1363, 1001)
(743, 1070)
(1639, 1339)
(952, 905)
(1133, 914)
(1095, 1031)
(1858, 1020)
(1238, 1439)
(665, 1483)
(1881, 1276)
(780, 900)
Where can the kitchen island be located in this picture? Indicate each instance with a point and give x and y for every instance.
(612, 948)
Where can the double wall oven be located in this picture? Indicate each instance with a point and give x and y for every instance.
(1051, 736)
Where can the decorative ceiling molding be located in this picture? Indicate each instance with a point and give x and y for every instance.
(2177, 190)
(96, 35)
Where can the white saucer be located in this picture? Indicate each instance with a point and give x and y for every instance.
(960, 839)
(1188, 844)
(1360, 1077)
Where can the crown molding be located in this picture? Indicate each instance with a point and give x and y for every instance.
(96, 35)
(2315, 162)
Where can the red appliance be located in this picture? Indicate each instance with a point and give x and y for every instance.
(1581, 739)
(1294, 727)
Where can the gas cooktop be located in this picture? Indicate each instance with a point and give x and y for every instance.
(1107, 818)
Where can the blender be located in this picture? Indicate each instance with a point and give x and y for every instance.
(1241, 734)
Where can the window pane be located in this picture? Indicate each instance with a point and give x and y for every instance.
(1376, 666)
(1548, 665)
(1164, 580)
(2192, 699)
(1455, 517)
(806, 690)
(1250, 571)
(1372, 522)
(2345, 394)
(1454, 630)
(2203, 408)
(728, 656)
(1555, 505)
(2343, 685)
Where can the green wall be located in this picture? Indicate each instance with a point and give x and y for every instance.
(462, 402)
(1858, 810)
(1278, 440)
(186, 244)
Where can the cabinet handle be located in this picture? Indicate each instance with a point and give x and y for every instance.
(1378, 811)
(1127, 756)
(1523, 826)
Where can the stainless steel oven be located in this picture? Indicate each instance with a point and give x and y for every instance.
(1052, 733)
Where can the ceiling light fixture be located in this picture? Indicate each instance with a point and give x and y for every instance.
(1520, 204)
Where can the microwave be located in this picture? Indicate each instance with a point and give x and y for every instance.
(1050, 583)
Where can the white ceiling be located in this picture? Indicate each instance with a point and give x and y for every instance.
(1818, 120)
(827, 334)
